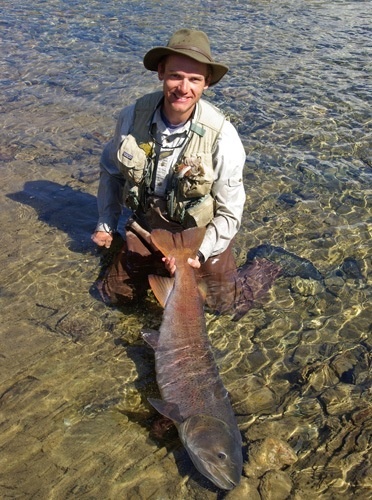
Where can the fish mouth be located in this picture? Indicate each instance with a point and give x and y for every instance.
(219, 477)
(223, 481)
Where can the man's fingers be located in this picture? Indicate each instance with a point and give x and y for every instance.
(195, 263)
(102, 239)
(170, 264)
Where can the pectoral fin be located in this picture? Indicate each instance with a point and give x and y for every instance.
(150, 336)
(162, 287)
(169, 410)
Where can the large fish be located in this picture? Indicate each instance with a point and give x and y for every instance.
(194, 396)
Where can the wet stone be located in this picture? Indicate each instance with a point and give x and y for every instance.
(343, 365)
(247, 488)
(270, 454)
(275, 485)
(334, 283)
(350, 332)
(338, 399)
(306, 287)
(310, 407)
(364, 478)
(305, 354)
(320, 377)
(254, 397)
(256, 359)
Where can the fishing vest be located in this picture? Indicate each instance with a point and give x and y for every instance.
(188, 195)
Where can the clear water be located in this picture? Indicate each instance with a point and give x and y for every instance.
(75, 374)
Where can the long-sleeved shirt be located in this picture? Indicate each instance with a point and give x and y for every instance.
(227, 189)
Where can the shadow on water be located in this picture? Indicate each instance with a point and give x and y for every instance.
(62, 207)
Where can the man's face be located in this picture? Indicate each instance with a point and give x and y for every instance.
(184, 81)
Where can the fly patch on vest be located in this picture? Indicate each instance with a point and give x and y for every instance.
(189, 201)
(194, 175)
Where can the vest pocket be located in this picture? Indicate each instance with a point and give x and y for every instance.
(132, 159)
(195, 175)
(199, 213)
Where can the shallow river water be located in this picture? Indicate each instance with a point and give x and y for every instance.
(75, 374)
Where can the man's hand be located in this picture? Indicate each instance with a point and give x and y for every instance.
(102, 239)
(170, 264)
(195, 263)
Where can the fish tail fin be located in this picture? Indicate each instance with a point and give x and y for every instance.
(181, 245)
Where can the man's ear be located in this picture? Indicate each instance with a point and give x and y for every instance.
(161, 71)
(208, 80)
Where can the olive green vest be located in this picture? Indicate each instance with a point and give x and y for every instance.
(188, 199)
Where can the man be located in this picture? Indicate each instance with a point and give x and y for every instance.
(176, 162)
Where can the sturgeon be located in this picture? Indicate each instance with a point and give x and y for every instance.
(193, 395)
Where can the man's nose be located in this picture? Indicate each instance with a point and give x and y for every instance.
(184, 85)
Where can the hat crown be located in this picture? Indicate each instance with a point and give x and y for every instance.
(191, 40)
(189, 43)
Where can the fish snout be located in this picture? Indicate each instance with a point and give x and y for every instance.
(215, 449)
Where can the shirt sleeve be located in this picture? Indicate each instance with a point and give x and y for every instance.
(111, 181)
(228, 192)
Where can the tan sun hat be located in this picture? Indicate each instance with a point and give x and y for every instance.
(190, 43)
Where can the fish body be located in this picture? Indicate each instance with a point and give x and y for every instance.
(193, 394)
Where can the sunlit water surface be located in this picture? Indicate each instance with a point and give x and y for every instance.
(75, 374)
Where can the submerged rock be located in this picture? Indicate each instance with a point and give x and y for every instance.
(254, 397)
(275, 485)
(270, 454)
(247, 488)
(319, 376)
(306, 287)
(290, 263)
(339, 399)
(351, 268)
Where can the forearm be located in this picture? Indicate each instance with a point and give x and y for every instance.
(228, 193)
(109, 201)
(111, 184)
(224, 226)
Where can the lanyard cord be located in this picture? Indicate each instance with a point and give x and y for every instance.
(171, 184)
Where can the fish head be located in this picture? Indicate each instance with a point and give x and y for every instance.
(215, 449)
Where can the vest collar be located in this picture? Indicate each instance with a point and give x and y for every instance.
(195, 126)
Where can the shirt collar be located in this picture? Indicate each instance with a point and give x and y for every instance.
(162, 128)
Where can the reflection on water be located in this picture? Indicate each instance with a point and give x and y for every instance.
(75, 374)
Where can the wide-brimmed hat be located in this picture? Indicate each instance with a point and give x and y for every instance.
(190, 43)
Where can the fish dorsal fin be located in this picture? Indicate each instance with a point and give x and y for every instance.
(181, 245)
(162, 287)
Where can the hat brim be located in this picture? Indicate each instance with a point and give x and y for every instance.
(154, 56)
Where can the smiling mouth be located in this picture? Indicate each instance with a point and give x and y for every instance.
(180, 97)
